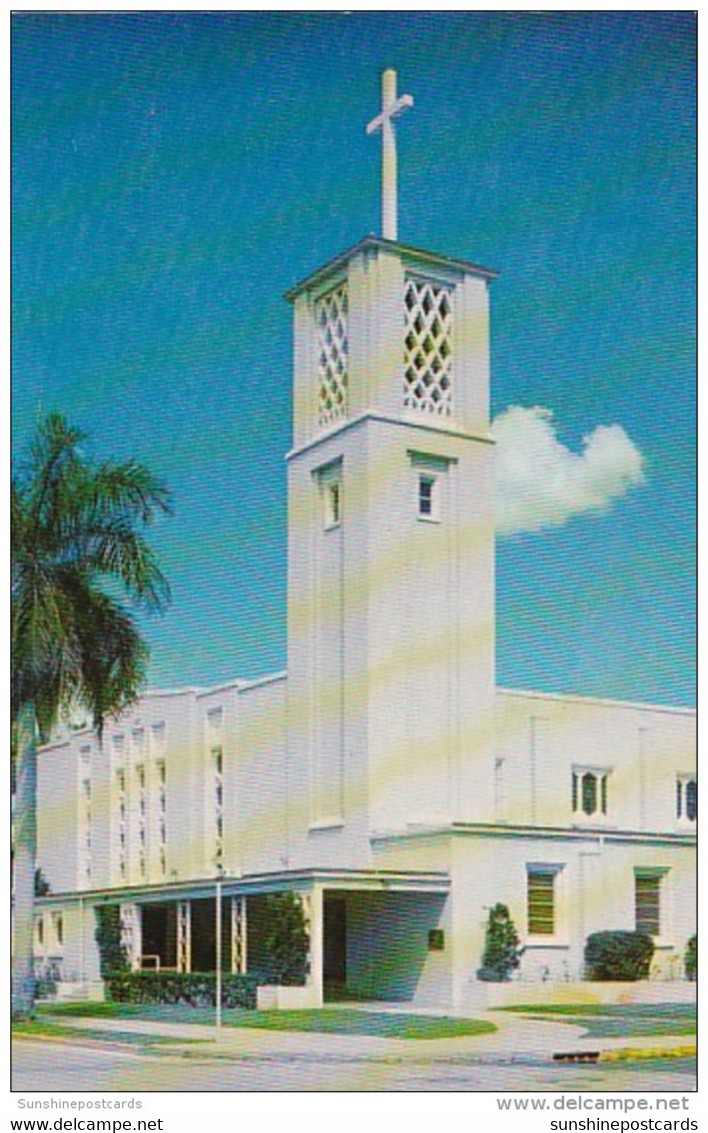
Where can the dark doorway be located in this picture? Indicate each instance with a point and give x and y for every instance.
(334, 947)
(203, 923)
(159, 947)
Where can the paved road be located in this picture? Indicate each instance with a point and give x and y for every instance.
(67, 1066)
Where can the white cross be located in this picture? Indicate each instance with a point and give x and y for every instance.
(391, 106)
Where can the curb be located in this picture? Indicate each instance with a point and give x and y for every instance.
(624, 1054)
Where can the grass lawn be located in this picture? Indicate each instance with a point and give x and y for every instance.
(330, 1020)
(335, 1021)
(46, 1028)
(613, 1020)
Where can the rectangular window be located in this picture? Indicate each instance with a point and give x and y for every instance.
(333, 503)
(426, 498)
(329, 484)
(540, 902)
(647, 903)
(431, 485)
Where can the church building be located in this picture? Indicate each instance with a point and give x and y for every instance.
(382, 777)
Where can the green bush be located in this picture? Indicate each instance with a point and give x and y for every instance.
(502, 954)
(197, 989)
(113, 957)
(691, 959)
(618, 956)
(286, 940)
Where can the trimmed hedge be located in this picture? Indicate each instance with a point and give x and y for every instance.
(691, 959)
(618, 956)
(197, 989)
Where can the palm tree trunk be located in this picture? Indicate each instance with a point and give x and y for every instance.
(25, 864)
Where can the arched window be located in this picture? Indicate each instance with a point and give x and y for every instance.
(589, 792)
(687, 798)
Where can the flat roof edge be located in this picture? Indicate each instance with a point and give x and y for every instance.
(406, 250)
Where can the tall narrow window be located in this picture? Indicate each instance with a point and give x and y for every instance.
(540, 898)
(328, 482)
(161, 776)
(218, 765)
(85, 815)
(647, 902)
(499, 793)
(142, 819)
(122, 808)
(427, 383)
(333, 503)
(426, 497)
(687, 798)
(331, 313)
(86, 804)
(58, 928)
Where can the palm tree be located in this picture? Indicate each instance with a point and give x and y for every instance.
(77, 556)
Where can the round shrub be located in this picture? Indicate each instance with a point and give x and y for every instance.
(618, 956)
(691, 958)
(502, 953)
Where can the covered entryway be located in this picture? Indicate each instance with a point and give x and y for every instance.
(388, 946)
(377, 935)
(334, 947)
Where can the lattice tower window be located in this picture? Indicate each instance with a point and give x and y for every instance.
(428, 348)
(331, 317)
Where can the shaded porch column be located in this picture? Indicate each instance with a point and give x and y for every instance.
(239, 935)
(184, 936)
(314, 911)
(131, 936)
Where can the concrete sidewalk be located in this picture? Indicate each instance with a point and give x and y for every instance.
(515, 1037)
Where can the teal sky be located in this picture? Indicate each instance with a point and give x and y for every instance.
(175, 173)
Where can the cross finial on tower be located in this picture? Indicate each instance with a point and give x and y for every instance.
(391, 106)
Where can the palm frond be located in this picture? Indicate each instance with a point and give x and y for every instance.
(77, 540)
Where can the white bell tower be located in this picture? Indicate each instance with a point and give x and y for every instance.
(391, 545)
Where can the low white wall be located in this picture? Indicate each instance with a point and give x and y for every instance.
(75, 990)
(276, 998)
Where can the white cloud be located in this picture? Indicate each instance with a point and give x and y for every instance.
(541, 483)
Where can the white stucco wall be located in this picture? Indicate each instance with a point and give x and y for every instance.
(541, 738)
